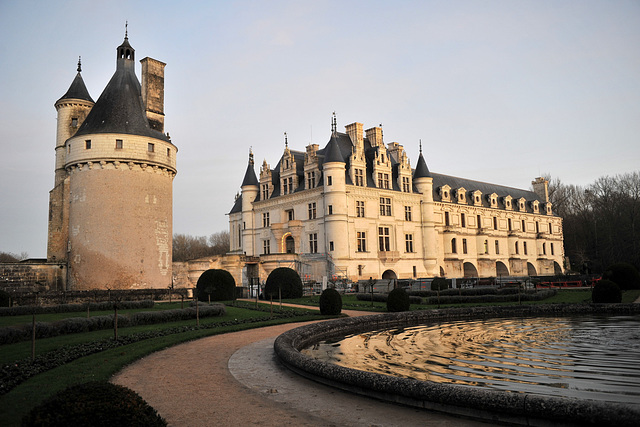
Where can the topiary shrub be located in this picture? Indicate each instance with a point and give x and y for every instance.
(439, 284)
(625, 275)
(398, 300)
(5, 299)
(94, 404)
(606, 291)
(330, 302)
(285, 279)
(217, 284)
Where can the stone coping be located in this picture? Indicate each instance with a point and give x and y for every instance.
(474, 402)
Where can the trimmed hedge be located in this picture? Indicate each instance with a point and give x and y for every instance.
(94, 404)
(398, 300)
(456, 299)
(606, 291)
(5, 298)
(383, 298)
(285, 280)
(217, 283)
(625, 275)
(73, 308)
(74, 325)
(330, 302)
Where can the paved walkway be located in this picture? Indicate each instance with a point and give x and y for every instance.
(235, 379)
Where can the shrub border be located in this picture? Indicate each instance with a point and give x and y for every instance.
(492, 405)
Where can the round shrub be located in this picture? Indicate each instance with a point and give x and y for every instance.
(285, 279)
(398, 300)
(217, 283)
(606, 291)
(95, 404)
(330, 302)
(625, 275)
(5, 299)
(439, 284)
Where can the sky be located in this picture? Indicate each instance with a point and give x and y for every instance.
(497, 91)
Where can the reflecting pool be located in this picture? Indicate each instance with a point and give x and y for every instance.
(588, 357)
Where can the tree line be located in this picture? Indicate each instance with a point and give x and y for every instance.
(601, 221)
(187, 247)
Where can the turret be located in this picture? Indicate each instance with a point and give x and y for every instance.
(423, 182)
(335, 199)
(250, 188)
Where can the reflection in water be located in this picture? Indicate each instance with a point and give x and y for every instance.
(585, 357)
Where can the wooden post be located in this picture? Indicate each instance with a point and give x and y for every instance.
(280, 296)
(33, 336)
(115, 322)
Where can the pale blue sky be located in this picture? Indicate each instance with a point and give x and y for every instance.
(498, 91)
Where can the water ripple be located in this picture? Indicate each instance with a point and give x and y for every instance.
(586, 357)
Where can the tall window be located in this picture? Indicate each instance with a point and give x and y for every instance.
(464, 246)
(509, 224)
(360, 208)
(311, 180)
(408, 242)
(265, 219)
(454, 246)
(406, 186)
(495, 223)
(285, 186)
(329, 180)
(463, 220)
(383, 180)
(361, 241)
(330, 209)
(266, 247)
(479, 219)
(359, 176)
(497, 247)
(265, 191)
(550, 228)
(517, 249)
(551, 248)
(312, 210)
(544, 249)
(524, 247)
(524, 226)
(87, 144)
(537, 227)
(486, 246)
(446, 219)
(313, 243)
(407, 213)
(290, 179)
(385, 206)
(383, 239)
(151, 147)
(290, 215)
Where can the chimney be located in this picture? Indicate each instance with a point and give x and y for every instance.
(374, 135)
(153, 92)
(354, 130)
(541, 188)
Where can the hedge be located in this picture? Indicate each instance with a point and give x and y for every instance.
(74, 325)
(73, 308)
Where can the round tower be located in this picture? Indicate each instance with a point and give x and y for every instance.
(423, 182)
(335, 201)
(120, 173)
(72, 109)
(250, 188)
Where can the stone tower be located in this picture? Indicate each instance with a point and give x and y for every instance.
(110, 216)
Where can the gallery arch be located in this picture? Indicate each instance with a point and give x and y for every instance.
(470, 270)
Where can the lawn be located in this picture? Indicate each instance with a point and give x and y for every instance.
(101, 366)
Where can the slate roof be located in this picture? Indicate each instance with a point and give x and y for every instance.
(119, 108)
(77, 90)
(339, 148)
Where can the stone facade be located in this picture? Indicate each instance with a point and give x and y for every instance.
(361, 209)
(110, 211)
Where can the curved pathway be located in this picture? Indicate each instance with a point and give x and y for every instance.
(235, 379)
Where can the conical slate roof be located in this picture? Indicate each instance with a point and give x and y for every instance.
(250, 177)
(422, 171)
(332, 151)
(119, 109)
(77, 90)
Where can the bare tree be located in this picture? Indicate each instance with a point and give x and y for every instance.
(187, 247)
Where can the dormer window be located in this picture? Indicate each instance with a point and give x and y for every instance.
(508, 203)
(445, 193)
(477, 198)
(493, 200)
(535, 205)
(548, 208)
(522, 204)
(462, 195)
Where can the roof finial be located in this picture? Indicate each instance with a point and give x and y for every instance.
(286, 141)
(334, 125)
(126, 29)
(251, 156)
(420, 146)
(79, 64)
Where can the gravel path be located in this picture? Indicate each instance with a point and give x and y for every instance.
(191, 385)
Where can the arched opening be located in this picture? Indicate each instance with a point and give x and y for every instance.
(470, 270)
(531, 270)
(290, 245)
(389, 274)
(556, 268)
(442, 272)
(501, 269)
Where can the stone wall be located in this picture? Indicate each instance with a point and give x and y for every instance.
(33, 276)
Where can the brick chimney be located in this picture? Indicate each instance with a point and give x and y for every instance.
(374, 135)
(354, 130)
(153, 92)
